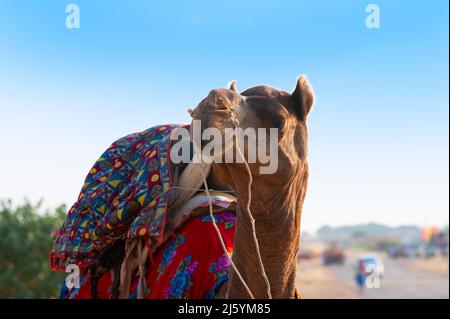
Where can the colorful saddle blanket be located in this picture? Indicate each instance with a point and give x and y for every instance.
(125, 194)
(190, 265)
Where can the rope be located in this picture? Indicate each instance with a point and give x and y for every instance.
(252, 221)
(249, 200)
(125, 282)
(192, 189)
(221, 240)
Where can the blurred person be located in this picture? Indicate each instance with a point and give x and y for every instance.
(360, 276)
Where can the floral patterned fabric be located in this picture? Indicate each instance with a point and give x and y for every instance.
(191, 265)
(124, 194)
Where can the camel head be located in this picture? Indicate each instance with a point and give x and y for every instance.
(261, 107)
(277, 198)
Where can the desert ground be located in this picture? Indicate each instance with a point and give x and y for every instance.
(404, 278)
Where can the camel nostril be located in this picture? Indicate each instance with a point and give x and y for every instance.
(218, 105)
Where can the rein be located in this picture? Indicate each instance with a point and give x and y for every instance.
(249, 201)
(124, 277)
(252, 220)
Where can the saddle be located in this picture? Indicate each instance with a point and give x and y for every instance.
(125, 200)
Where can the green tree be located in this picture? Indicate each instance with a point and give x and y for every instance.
(25, 244)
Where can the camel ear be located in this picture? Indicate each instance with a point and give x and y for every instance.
(303, 97)
(233, 86)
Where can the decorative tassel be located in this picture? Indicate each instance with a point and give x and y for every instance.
(126, 271)
(142, 285)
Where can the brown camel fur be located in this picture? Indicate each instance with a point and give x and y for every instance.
(277, 199)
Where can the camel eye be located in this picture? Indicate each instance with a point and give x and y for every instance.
(278, 122)
(230, 96)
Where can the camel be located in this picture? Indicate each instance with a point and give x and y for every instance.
(265, 206)
(277, 199)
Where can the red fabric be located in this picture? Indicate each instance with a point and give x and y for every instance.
(190, 265)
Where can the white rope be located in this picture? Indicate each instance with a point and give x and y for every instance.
(198, 153)
(249, 200)
(192, 189)
(215, 227)
(221, 240)
(252, 221)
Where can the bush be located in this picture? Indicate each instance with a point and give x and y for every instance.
(25, 244)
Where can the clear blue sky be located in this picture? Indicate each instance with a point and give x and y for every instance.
(378, 133)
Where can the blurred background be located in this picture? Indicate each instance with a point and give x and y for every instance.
(378, 191)
(405, 261)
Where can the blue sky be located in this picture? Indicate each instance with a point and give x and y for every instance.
(378, 133)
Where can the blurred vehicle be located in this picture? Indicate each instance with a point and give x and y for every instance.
(412, 250)
(404, 251)
(428, 251)
(392, 251)
(333, 255)
(372, 261)
(307, 255)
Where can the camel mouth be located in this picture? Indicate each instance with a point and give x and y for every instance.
(210, 138)
(216, 110)
(211, 112)
(211, 115)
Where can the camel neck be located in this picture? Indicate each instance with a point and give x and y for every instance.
(277, 221)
